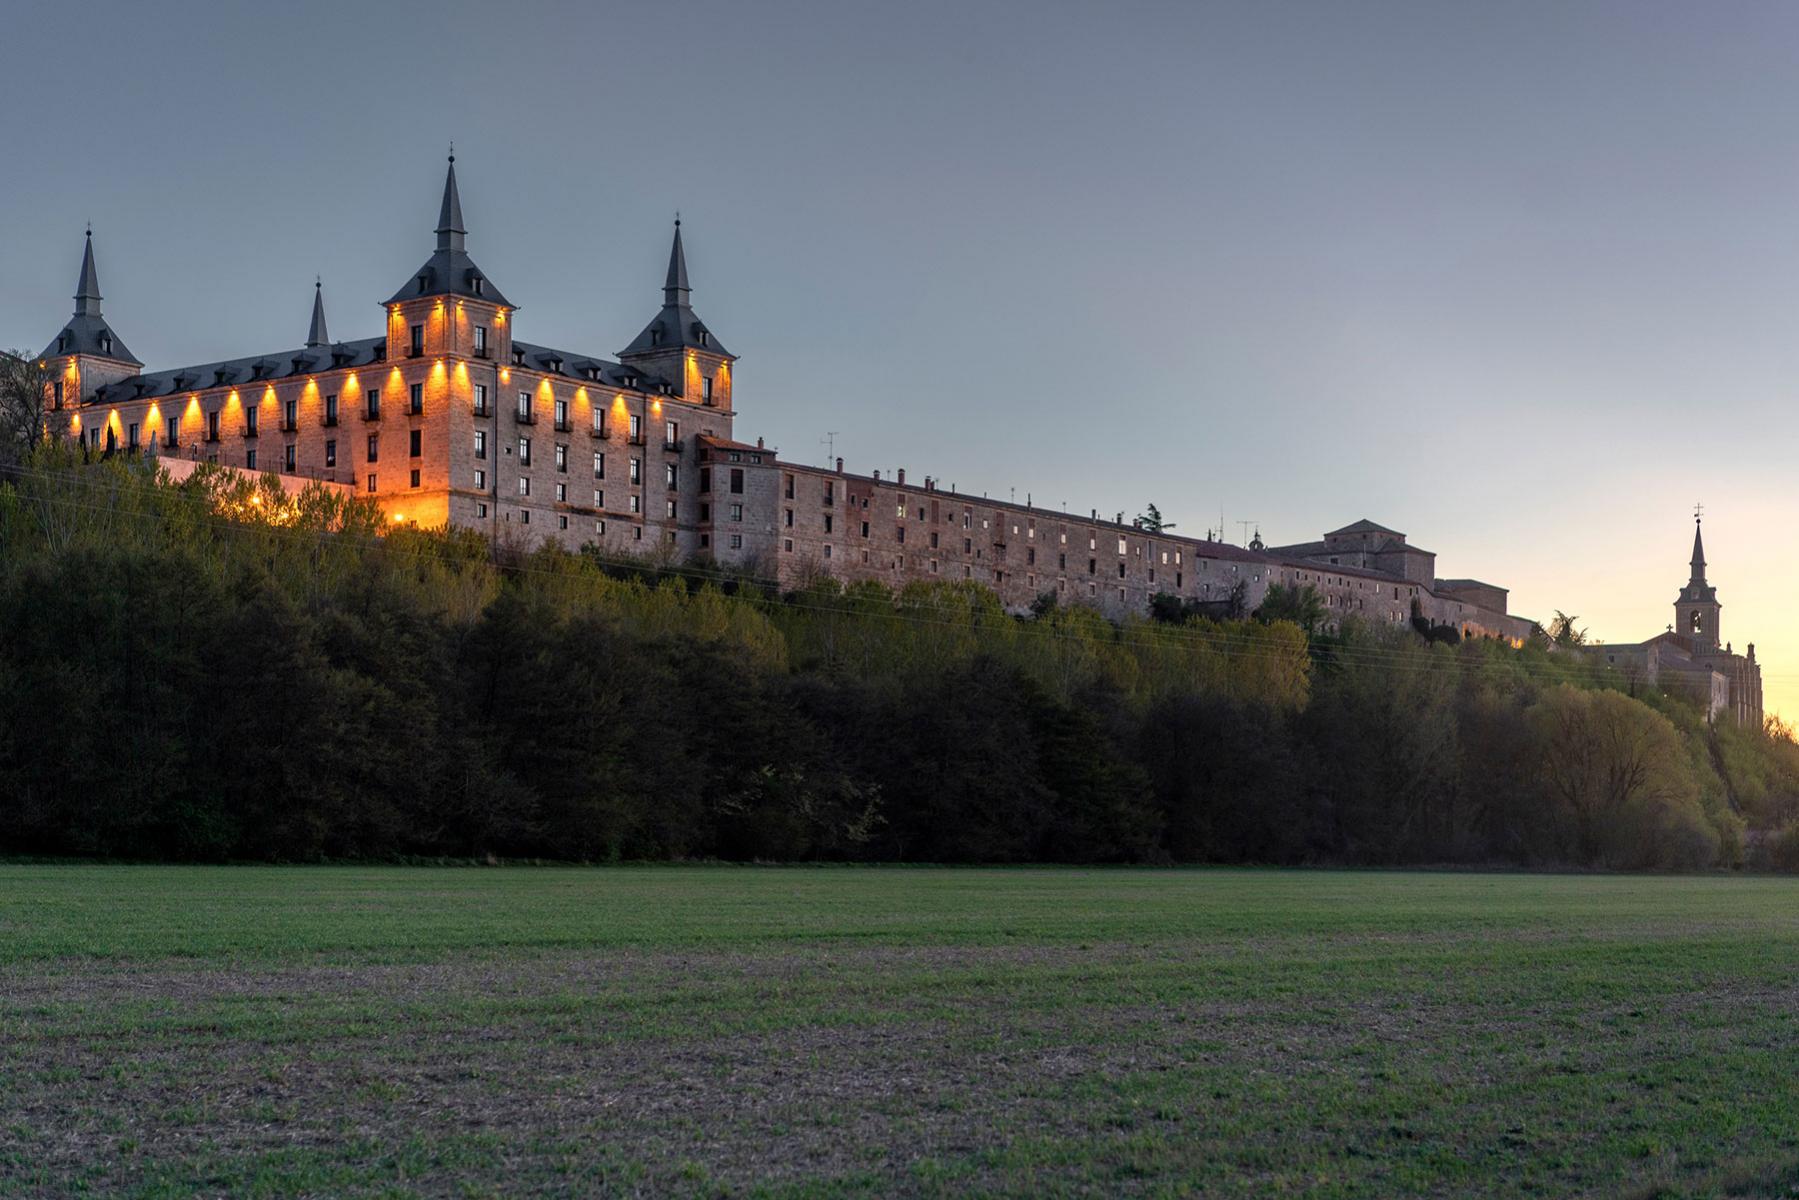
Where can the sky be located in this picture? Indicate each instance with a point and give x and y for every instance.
(1521, 280)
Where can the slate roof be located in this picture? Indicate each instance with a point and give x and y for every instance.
(233, 372)
(87, 331)
(1451, 585)
(583, 366)
(450, 271)
(315, 334)
(676, 327)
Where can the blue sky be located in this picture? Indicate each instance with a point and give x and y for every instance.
(1518, 279)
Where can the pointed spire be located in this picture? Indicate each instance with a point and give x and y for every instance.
(674, 288)
(449, 216)
(87, 291)
(1698, 553)
(316, 336)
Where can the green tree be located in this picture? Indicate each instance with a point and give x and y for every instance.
(1152, 520)
(1300, 605)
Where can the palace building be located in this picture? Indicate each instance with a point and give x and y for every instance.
(446, 417)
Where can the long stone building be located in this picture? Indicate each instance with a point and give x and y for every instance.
(446, 416)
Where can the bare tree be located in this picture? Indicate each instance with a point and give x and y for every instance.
(23, 385)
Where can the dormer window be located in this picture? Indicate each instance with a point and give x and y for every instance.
(479, 285)
(656, 336)
(705, 338)
(424, 282)
(62, 342)
(106, 343)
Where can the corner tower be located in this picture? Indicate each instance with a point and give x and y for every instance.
(678, 347)
(449, 308)
(1696, 609)
(87, 354)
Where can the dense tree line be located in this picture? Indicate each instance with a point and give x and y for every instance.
(217, 671)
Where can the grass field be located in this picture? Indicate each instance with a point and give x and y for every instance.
(824, 1032)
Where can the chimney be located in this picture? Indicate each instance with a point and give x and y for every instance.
(840, 464)
(877, 474)
(758, 443)
(902, 476)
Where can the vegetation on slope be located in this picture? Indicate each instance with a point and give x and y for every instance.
(216, 671)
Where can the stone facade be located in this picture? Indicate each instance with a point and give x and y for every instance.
(1687, 657)
(445, 417)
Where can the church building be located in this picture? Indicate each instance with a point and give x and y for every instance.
(1688, 656)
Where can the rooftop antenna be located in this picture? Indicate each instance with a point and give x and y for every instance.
(1246, 525)
(829, 439)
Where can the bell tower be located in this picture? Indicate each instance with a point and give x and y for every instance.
(1696, 609)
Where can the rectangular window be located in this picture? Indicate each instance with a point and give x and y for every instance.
(480, 399)
(524, 452)
(416, 445)
(480, 481)
(250, 460)
(562, 522)
(372, 404)
(562, 415)
(480, 510)
(737, 481)
(706, 384)
(524, 485)
(480, 341)
(636, 430)
(57, 387)
(671, 436)
(561, 457)
(636, 475)
(290, 415)
(636, 504)
(599, 498)
(737, 512)
(212, 427)
(480, 443)
(705, 479)
(415, 477)
(331, 409)
(672, 475)
(599, 421)
(562, 493)
(416, 346)
(330, 452)
(828, 524)
(287, 458)
(371, 484)
(252, 420)
(737, 541)
(671, 510)
(524, 406)
(374, 447)
(416, 398)
(132, 437)
(599, 465)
